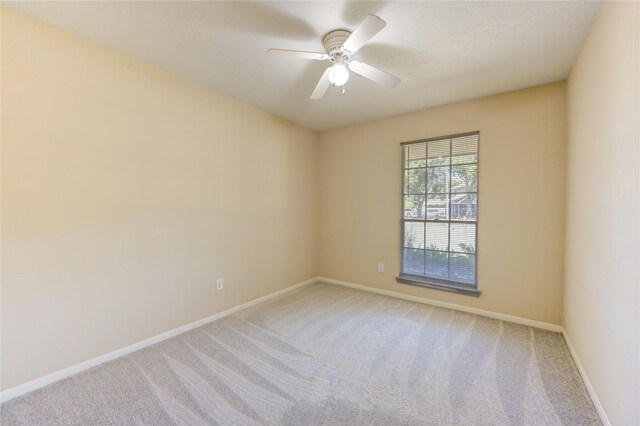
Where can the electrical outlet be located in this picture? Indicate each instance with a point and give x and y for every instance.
(219, 284)
(380, 267)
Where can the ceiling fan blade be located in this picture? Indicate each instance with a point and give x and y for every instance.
(369, 27)
(298, 54)
(374, 74)
(322, 85)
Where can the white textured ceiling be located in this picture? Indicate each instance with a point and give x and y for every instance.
(444, 51)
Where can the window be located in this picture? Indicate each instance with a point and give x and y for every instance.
(440, 212)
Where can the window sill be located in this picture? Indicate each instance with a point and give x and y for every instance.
(438, 285)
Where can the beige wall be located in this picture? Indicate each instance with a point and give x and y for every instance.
(521, 199)
(602, 290)
(126, 191)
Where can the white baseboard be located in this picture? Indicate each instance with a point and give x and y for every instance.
(454, 306)
(587, 383)
(75, 369)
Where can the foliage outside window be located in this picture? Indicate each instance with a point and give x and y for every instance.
(440, 209)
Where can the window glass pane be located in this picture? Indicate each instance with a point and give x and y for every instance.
(464, 178)
(413, 262)
(438, 207)
(437, 264)
(414, 234)
(415, 155)
(460, 159)
(414, 206)
(464, 207)
(464, 149)
(414, 181)
(463, 237)
(438, 179)
(438, 236)
(463, 268)
(464, 145)
(439, 153)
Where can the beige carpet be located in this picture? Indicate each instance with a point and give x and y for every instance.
(328, 354)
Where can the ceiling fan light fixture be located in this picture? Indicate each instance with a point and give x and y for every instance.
(338, 74)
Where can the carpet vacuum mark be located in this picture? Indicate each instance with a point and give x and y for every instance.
(328, 354)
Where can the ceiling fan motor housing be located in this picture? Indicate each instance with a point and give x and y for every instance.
(334, 40)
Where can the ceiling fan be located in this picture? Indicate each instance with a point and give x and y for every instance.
(340, 46)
